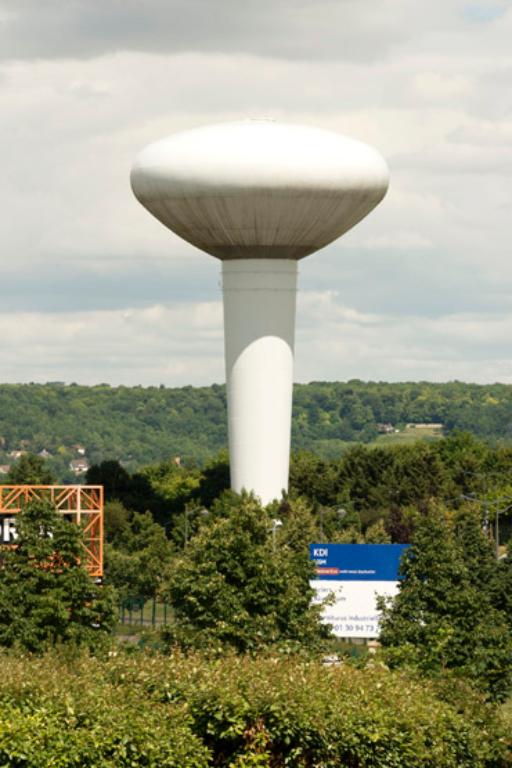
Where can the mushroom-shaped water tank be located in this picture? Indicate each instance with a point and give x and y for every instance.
(259, 189)
(259, 195)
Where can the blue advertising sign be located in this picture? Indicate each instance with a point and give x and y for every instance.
(357, 562)
(349, 579)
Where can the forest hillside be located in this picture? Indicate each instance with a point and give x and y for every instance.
(140, 425)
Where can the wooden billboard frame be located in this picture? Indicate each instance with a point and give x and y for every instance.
(82, 503)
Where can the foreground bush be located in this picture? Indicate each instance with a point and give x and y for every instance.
(234, 712)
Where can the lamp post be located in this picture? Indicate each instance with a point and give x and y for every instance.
(276, 523)
(498, 508)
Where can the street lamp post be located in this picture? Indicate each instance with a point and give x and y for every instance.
(276, 523)
(486, 504)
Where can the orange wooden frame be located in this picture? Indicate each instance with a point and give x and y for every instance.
(82, 503)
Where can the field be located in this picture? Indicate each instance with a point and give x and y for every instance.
(408, 435)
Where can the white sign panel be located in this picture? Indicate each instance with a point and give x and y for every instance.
(354, 610)
(355, 575)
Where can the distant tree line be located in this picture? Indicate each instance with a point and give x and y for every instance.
(140, 425)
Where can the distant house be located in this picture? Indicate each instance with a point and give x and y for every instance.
(385, 429)
(79, 466)
(44, 454)
(5, 469)
(177, 460)
(16, 454)
(425, 426)
(80, 449)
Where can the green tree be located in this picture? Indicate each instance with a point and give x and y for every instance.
(134, 564)
(112, 476)
(29, 470)
(443, 617)
(377, 534)
(46, 593)
(174, 483)
(116, 522)
(314, 478)
(237, 585)
(214, 479)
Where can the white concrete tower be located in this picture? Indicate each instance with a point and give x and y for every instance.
(259, 195)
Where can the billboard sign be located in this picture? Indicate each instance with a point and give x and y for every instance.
(81, 504)
(8, 533)
(355, 574)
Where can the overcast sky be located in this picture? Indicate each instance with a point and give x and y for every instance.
(93, 289)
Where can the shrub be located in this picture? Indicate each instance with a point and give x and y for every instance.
(236, 712)
(52, 715)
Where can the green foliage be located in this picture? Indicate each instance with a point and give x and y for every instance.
(397, 484)
(377, 534)
(29, 470)
(316, 479)
(134, 491)
(502, 588)
(116, 522)
(238, 585)
(214, 479)
(445, 616)
(53, 714)
(136, 553)
(141, 425)
(192, 712)
(172, 483)
(46, 594)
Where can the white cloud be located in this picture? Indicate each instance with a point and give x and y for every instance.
(326, 29)
(164, 345)
(177, 345)
(347, 344)
(84, 85)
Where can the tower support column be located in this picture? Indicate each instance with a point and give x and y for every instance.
(259, 326)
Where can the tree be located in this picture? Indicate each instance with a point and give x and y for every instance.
(377, 534)
(30, 470)
(133, 491)
(46, 593)
(443, 617)
(117, 522)
(235, 585)
(173, 483)
(112, 476)
(314, 478)
(134, 564)
(214, 479)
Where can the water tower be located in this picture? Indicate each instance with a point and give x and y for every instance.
(259, 196)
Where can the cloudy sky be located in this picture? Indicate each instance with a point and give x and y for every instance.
(94, 290)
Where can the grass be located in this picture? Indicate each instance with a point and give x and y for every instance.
(409, 435)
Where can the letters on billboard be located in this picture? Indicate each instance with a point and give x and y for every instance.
(355, 574)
